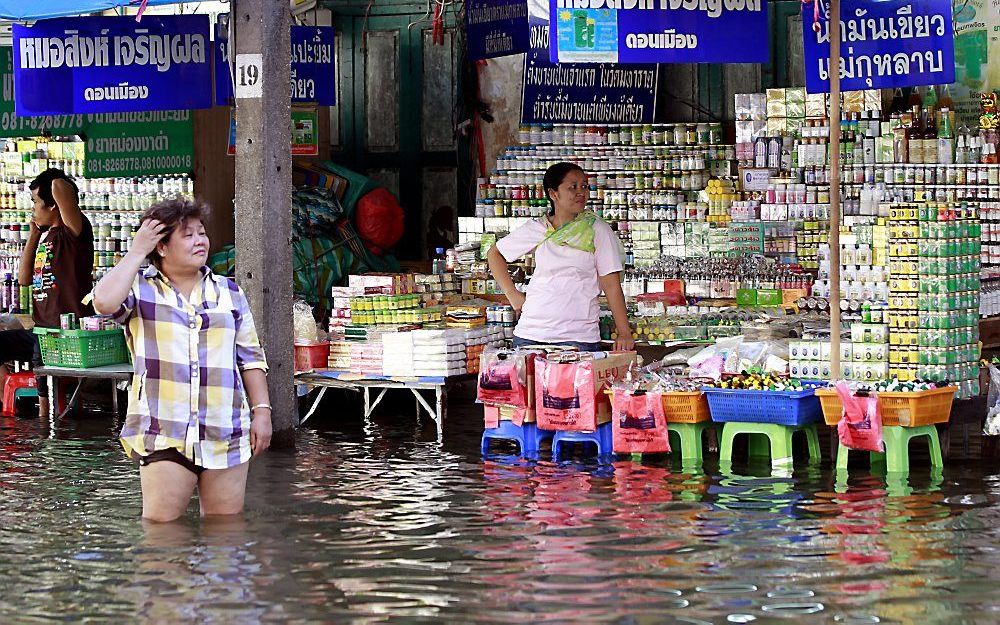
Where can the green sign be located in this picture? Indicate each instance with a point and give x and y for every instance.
(118, 144)
(11, 125)
(139, 144)
(305, 132)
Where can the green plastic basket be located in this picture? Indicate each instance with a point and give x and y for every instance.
(82, 349)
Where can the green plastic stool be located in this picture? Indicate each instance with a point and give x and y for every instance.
(876, 458)
(25, 392)
(897, 446)
(779, 437)
(690, 438)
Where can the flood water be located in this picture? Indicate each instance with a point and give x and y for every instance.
(377, 523)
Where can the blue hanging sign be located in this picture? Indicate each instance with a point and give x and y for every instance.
(112, 65)
(496, 28)
(314, 72)
(886, 44)
(564, 93)
(659, 31)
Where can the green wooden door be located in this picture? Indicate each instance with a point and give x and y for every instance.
(396, 118)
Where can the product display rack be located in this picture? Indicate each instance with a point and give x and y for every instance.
(113, 206)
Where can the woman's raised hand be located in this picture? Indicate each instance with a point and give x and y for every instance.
(150, 233)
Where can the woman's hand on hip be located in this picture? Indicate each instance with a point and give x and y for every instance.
(517, 301)
(260, 431)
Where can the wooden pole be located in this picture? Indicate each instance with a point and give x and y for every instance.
(262, 49)
(835, 189)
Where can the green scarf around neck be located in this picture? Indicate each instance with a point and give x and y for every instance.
(577, 234)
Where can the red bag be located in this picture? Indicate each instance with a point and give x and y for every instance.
(639, 425)
(564, 395)
(860, 426)
(500, 379)
(491, 417)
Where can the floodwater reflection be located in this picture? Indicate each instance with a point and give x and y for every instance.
(379, 523)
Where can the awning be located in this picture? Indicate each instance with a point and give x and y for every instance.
(42, 9)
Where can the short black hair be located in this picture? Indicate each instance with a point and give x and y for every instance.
(43, 184)
(172, 214)
(554, 177)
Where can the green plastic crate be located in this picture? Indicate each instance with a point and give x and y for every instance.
(82, 349)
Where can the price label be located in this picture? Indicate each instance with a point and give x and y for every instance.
(756, 179)
(249, 76)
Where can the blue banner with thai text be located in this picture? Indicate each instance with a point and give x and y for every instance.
(659, 31)
(601, 93)
(84, 65)
(496, 28)
(886, 44)
(314, 70)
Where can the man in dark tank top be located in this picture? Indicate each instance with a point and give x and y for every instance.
(57, 263)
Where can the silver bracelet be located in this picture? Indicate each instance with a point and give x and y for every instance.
(256, 406)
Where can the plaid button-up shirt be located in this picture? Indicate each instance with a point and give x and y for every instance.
(187, 390)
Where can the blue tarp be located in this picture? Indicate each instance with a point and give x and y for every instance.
(42, 9)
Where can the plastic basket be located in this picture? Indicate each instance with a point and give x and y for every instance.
(777, 407)
(916, 409)
(832, 406)
(904, 409)
(686, 407)
(82, 349)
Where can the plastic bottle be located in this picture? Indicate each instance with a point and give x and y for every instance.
(930, 99)
(945, 145)
(6, 303)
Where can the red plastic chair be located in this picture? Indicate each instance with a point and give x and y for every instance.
(15, 387)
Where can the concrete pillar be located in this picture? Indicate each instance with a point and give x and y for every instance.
(263, 195)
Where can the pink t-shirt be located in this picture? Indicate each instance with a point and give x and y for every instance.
(561, 302)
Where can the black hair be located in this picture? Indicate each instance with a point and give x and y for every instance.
(43, 184)
(554, 177)
(173, 214)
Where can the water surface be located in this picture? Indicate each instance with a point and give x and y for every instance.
(378, 522)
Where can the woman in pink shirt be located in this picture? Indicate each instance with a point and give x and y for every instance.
(577, 255)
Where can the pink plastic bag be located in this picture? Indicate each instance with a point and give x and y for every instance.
(564, 395)
(639, 425)
(500, 380)
(860, 426)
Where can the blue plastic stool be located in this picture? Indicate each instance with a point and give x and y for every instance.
(602, 438)
(527, 435)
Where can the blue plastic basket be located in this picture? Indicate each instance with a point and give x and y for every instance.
(778, 407)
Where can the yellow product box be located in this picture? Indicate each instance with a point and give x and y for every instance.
(904, 285)
(854, 101)
(776, 103)
(903, 213)
(776, 126)
(904, 248)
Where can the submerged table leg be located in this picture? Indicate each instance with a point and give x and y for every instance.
(114, 397)
(370, 409)
(442, 396)
(315, 405)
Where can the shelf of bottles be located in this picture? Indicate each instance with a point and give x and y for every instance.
(913, 151)
(662, 187)
(113, 206)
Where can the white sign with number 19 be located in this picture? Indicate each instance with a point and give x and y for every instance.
(249, 76)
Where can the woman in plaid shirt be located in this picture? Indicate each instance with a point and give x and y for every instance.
(197, 360)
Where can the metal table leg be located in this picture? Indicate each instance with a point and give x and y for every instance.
(315, 405)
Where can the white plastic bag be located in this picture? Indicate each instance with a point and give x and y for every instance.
(304, 325)
(992, 425)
